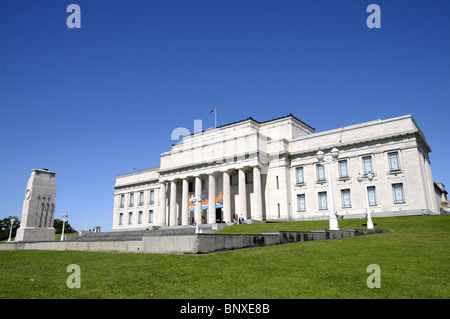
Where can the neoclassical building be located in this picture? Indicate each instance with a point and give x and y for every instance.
(269, 171)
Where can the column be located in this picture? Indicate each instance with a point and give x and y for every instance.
(198, 194)
(162, 205)
(257, 194)
(185, 202)
(242, 194)
(211, 199)
(226, 198)
(173, 204)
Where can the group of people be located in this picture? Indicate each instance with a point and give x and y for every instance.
(237, 220)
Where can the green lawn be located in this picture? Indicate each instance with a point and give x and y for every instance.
(414, 260)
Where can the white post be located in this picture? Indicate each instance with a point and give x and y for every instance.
(369, 218)
(12, 220)
(64, 216)
(320, 155)
(366, 180)
(196, 201)
(333, 218)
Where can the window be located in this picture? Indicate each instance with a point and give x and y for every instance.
(150, 216)
(367, 164)
(299, 175)
(131, 199)
(301, 203)
(394, 163)
(343, 171)
(152, 197)
(279, 210)
(121, 219)
(371, 194)
(323, 200)
(278, 184)
(141, 198)
(122, 200)
(130, 218)
(191, 187)
(203, 184)
(140, 217)
(320, 172)
(346, 201)
(399, 195)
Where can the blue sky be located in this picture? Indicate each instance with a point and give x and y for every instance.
(100, 101)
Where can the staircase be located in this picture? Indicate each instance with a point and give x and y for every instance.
(138, 234)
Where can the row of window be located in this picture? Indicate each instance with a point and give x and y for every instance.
(140, 217)
(367, 164)
(397, 191)
(151, 198)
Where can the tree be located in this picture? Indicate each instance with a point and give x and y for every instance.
(58, 224)
(5, 226)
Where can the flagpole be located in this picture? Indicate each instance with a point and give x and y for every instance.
(215, 116)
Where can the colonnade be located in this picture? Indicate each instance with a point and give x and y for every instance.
(227, 214)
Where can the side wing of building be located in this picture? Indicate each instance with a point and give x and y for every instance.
(394, 151)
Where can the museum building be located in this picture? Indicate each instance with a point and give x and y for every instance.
(282, 169)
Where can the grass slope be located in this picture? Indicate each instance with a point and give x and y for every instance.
(413, 259)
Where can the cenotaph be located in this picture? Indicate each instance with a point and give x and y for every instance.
(38, 209)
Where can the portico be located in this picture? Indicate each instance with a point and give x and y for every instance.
(224, 193)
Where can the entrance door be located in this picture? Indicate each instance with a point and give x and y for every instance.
(218, 215)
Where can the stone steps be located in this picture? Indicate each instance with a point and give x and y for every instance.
(139, 234)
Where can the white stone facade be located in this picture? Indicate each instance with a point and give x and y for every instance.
(269, 171)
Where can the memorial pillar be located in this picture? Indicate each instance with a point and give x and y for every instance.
(38, 210)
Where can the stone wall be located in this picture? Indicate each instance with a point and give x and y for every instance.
(185, 244)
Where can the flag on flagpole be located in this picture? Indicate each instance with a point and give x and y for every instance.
(215, 116)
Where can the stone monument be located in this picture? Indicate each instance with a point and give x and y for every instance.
(38, 209)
